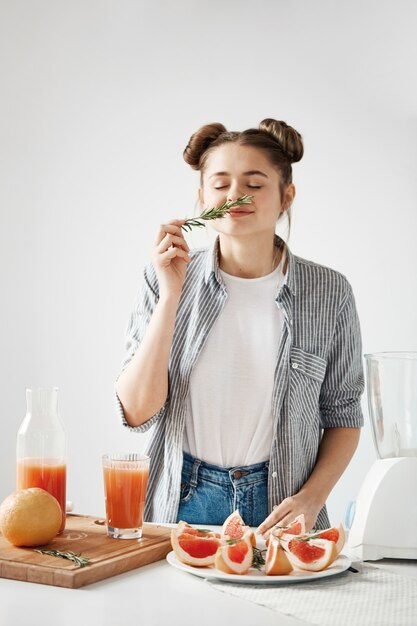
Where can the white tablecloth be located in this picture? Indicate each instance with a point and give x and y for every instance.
(371, 597)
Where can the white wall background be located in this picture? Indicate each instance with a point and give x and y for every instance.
(97, 102)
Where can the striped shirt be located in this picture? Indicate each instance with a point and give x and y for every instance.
(318, 378)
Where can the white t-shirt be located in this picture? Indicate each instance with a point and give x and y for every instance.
(229, 420)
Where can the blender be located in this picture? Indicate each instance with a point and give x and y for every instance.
(385, 513)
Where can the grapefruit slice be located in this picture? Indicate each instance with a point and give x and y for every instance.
(336, 534)
(190, 530)
(309, 554)
(234, 556)
(194, 546)
(276, 560)
(234, 528)
(296, 527)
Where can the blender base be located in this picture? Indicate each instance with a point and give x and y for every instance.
(385, 520)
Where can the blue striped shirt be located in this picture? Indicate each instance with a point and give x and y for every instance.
(318, 379)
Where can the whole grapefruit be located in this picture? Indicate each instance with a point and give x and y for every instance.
(30, 517)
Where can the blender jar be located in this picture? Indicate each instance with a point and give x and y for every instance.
(392, 401)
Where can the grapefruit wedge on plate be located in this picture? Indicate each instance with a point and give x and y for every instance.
(277, 562)
(234, 528)
(309, 554)
(296, 527)
(194, 546)
(184, 527)
(234, 556)
(336, 534)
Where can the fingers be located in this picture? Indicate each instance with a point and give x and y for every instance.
(170, 244)
(287, 519)
(173, 227)
(268, 523)
(172, 253)
(281, 514)
(171, 240)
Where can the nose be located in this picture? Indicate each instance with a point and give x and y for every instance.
(233, 193)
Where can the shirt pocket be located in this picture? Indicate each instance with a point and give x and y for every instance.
(307, 371)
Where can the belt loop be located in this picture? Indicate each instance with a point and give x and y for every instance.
(194, 473)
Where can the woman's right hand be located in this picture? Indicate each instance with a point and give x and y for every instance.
(170, 258)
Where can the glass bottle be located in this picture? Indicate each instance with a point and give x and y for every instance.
(41, 446)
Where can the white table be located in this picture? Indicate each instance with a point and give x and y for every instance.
(156, 594)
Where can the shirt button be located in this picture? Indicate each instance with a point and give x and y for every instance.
(295, 366)
(274, 474)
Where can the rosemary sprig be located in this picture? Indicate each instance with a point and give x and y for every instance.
(215, 213)
(258, 560)
(306, 538)
(71, 556)
(232, 542)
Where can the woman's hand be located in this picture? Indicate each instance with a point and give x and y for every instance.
(287, 511)
(170, 258)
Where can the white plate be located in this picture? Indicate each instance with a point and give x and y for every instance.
(260, 578)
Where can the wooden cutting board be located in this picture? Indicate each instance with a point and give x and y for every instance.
(88, 536)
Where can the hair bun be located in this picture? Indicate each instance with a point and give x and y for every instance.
(288, 138)
(200, 141)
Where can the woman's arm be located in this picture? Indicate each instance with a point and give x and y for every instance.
(142, 387)
(336, 449)
(335, 452)
(340, 417)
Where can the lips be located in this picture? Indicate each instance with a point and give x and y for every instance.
(238, 212)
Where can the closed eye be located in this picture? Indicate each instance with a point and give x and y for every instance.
(250, 187)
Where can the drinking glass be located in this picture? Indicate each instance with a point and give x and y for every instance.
(125, 482)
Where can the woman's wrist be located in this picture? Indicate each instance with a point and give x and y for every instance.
(169, 299)
(315, 493)
(336, 449)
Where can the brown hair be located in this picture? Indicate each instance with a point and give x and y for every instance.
(281, 143)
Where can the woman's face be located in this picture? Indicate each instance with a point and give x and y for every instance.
(233, 171)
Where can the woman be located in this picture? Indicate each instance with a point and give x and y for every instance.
(246, 358)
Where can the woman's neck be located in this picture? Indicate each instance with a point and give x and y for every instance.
(248, 257)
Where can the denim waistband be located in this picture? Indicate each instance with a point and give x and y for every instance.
(239, 475)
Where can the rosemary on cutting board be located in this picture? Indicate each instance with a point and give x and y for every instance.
(71, 556)
(215, 213)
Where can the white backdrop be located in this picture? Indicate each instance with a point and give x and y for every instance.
(97, 102)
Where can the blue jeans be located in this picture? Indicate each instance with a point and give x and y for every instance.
(210, 493)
